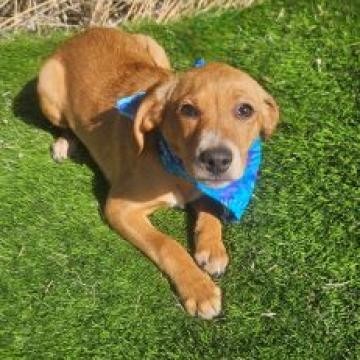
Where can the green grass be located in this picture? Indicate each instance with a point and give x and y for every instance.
(70, 288)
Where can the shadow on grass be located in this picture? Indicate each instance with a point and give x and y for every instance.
(26, 107)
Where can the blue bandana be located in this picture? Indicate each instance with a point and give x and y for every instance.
(232, 198)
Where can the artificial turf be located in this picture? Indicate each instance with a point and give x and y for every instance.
(71, 288)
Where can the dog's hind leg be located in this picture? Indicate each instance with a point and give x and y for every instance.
(51, 92)
(52, 97)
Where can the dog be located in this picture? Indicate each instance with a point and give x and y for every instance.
(209, 116)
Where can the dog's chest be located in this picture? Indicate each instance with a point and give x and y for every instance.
(179, 198)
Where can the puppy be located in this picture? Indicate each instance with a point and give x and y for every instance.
(209, 116)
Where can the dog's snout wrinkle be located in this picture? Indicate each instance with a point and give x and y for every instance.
(216, 160)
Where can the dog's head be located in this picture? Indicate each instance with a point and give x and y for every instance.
(210, 117)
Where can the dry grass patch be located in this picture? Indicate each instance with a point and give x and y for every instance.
(35, 15)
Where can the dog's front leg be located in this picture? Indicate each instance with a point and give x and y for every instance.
(210, 252)
(198, 292)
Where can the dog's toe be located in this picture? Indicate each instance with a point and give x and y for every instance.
(203, 300)
(212, 259)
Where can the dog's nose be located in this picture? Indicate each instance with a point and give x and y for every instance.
(216, 160)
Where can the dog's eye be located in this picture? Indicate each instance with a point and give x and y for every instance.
(244, 111)
(189, 110)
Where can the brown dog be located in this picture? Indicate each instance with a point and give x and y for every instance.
(209, 116)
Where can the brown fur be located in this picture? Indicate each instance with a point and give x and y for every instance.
(78, 86)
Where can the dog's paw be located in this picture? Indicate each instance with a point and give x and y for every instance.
(202, 297)
(60, 149)
(212, 257)
(64, 147)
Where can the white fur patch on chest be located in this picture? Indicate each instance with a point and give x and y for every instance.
(175, 199)
(179, 200)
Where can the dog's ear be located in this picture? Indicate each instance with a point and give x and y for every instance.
(150, 112)
(270, 115)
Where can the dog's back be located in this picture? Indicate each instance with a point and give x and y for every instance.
(79, 84)
(99, 65)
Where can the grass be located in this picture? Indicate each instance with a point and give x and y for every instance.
(70, 288)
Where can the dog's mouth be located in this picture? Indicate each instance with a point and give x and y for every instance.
(214, 180)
